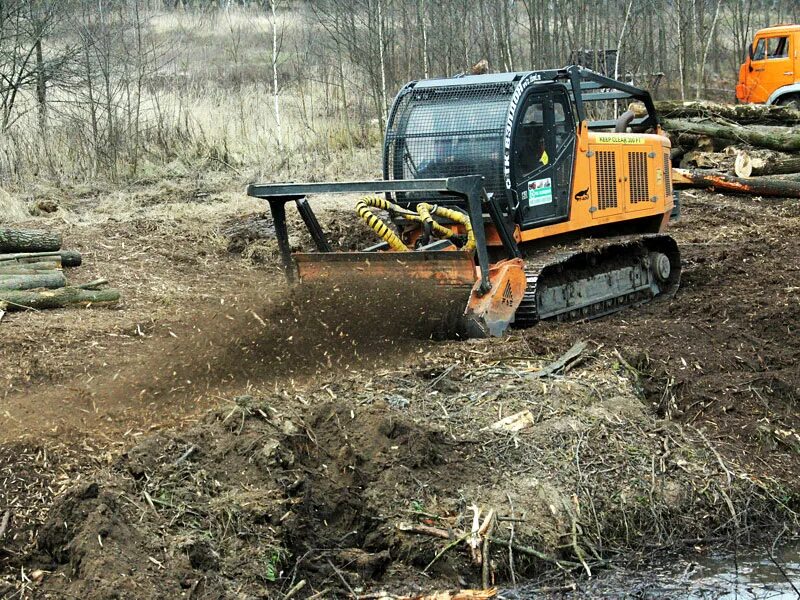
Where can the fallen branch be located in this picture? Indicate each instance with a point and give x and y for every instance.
(15, 267)
(186, 455)
(295, 589)
(423, 530)
(44, 279)
(4, 524)
(786, 142)
(68, 258)
(743, 114)
(570, 355)
(452, 544)
(527, 550)
(486, 570)
(92, 285)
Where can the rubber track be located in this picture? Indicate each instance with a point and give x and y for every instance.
(527, 313)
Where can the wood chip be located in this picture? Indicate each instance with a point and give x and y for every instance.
(516, 422)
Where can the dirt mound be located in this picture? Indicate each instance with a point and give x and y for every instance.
(334, 483)
(241, 498)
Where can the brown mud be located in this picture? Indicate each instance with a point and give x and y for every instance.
(328, 437)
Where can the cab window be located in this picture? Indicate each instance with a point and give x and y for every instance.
(778, 47)
(563, 133)
(531, 153)
(760, 50)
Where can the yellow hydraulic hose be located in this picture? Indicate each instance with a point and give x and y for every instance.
(376, 224)
(425, 210)
(424, 214)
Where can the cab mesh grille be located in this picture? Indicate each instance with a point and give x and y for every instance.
(447, 132)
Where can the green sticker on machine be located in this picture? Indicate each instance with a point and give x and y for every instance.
(540, 191)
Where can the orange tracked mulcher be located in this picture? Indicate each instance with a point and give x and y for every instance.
(503, 186)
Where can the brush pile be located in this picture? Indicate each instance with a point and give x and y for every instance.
(739, 149)
(32, 276)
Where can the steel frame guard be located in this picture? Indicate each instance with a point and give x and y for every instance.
(468, 187)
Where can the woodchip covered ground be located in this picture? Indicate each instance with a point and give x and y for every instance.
(216, 436)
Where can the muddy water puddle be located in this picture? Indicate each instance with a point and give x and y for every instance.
(753, 574)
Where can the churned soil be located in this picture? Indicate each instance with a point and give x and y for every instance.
(218, 435)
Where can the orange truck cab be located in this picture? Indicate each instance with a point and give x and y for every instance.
(771, 71)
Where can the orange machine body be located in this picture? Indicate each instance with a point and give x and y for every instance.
(771, 70)
(619, 179)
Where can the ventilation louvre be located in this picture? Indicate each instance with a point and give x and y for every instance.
(606, 180)
(667, 176)
(637, 169)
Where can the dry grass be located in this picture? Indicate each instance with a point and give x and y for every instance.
(207, 106)
(12, 208)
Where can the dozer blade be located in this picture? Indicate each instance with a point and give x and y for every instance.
(440, 289)
(454, 269)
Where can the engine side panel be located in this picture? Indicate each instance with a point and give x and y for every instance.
(618, 178)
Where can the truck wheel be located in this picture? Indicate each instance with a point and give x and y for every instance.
(791, 102)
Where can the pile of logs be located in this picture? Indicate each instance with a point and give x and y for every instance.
(740, 149)
(32, 276)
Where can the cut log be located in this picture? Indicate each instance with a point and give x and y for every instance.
(28, 240)
(52, 280)
(743, 114)
(708, 160)
(55, 298)
(788, 140)
(765, 162)
(68, 258)
(16, 269)
(34, 267)
(719, 182)
(682, 143)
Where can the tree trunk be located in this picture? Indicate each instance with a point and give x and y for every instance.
(783, 141)
(67, 258)
(55, 298)
(28, 240)
(719, 182)
(743, 114)
(765, 162)
(51, 280)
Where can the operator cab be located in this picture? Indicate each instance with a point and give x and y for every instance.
(542, 152)
(519, 131)
(458, 126)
